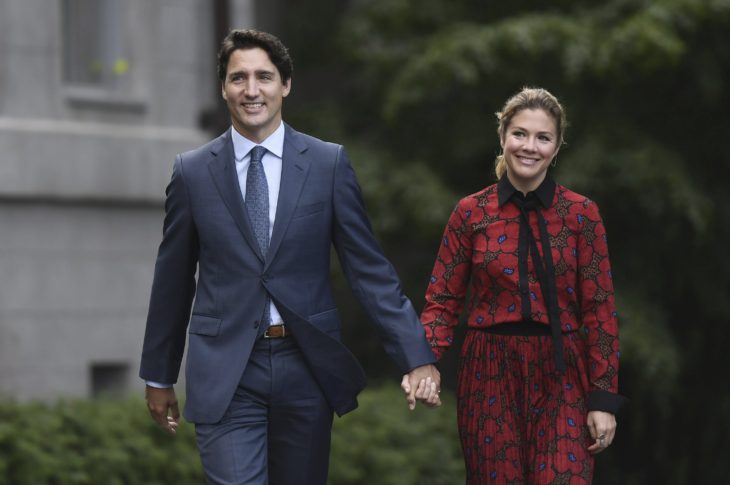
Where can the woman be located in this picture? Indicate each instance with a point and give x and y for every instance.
(537, 379)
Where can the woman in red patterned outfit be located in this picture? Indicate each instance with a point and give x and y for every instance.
(537, 379)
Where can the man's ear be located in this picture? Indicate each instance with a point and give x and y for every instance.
(223, 90)
(287, 88)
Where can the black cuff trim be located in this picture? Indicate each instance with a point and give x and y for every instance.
(605, 401)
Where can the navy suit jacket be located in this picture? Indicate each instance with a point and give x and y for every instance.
(209, 259)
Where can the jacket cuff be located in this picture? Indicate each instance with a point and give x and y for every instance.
(421, 363)
(609, 402)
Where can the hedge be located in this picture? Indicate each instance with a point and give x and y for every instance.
(92, 442)
(110, 442)
(383, 443)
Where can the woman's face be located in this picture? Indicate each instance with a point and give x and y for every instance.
(529, 145)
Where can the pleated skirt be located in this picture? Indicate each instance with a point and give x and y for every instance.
(520, 421)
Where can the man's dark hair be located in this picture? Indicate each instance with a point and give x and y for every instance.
(250, 39)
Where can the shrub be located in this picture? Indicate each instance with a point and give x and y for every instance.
(384, 443)
(114, 442)
(92, 442)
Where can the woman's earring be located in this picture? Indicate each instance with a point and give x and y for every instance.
(554, 162)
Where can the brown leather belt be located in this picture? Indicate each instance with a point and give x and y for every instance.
(276, 331)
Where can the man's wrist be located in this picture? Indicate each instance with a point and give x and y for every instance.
(158, 385)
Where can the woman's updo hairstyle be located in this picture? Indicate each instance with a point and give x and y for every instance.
(528, 98)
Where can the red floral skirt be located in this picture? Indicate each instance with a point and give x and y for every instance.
(521, 422)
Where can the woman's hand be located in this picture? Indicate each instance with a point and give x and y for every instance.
(602, 426)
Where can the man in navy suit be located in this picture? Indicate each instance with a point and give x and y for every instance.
(250, 221)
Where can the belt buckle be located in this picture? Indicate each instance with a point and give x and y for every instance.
(282, 329)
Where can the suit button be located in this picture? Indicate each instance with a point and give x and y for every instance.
(256, 324)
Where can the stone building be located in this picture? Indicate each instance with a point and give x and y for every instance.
(96, 98)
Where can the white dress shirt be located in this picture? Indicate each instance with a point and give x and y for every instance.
(271, 161)
(274, 145)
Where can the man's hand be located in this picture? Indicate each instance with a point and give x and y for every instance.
(159, 401)
(423, 384)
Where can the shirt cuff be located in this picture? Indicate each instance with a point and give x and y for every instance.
(158, 385)
(609, 402)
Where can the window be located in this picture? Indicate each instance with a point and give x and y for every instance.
(109, 378)
(95, 51)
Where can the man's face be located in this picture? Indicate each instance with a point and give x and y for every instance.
(253, 90)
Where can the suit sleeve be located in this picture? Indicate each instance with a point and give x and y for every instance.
(173, 286)
(371, 276)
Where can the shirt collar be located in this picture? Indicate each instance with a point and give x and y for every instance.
(274, 143)
(544, 192)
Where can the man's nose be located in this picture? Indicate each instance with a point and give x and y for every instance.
(251, 88)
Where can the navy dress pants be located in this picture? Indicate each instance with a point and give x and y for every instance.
(277, 428)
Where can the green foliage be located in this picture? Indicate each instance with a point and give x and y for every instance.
(645, 85)
(401, 196)
(384, 443)
(109, 442)
(92, 442)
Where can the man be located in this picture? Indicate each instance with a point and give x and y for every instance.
(255, 213)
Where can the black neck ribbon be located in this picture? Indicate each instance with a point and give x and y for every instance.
(545, 270)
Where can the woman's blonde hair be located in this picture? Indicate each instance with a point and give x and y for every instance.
(528, 98)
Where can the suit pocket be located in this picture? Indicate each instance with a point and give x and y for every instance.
(328, 322)
(205, 325)
(308, 209)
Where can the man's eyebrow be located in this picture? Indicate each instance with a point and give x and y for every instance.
(257, 72)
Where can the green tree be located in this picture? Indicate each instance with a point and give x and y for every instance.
(645, 85)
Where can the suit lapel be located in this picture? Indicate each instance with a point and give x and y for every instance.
(222, 168)
(294, 170)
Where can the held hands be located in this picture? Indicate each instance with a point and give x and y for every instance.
(423, 384)
(602, 426)
(159, 401)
